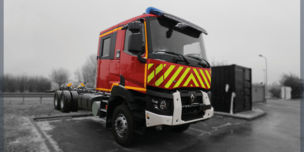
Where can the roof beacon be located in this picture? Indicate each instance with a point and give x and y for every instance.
(155, 11)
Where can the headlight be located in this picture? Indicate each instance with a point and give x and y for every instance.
(160, 104)
(163, 105)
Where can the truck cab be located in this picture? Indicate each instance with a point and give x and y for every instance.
(152, 71)
(159, 61)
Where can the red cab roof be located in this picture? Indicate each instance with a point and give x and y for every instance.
(127, 21)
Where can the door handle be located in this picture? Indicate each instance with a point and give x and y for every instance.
(117, 54)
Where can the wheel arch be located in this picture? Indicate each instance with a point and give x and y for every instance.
(119, 95)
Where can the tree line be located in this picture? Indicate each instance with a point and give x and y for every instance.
(289, 80)
(25, 83)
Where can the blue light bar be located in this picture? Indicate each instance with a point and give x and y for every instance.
(155, 11)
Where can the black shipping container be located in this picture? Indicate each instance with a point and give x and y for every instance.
(229, 79)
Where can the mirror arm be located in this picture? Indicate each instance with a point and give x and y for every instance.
(141, 59)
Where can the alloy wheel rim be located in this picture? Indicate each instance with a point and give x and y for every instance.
(121, 125)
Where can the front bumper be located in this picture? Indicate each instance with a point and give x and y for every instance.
(153, 119)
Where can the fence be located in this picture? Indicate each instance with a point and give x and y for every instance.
(40, 96)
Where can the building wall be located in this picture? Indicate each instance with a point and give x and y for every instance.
(258, 93)
(286, 92)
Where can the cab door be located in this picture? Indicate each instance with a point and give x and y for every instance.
(108, 69)
(132, 70)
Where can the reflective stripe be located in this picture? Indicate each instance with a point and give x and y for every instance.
(179, 75)
(150, 65)
(199, 78)
(151, 76)
(146, 55)
(146, 40)
(169, 71)
(163, 77)
(136, 88)
(191, 77)
(158, 69)
(109, 32)
(173, 77)
(159, 81)
(208, 75)
(181, 78)
(208, 86)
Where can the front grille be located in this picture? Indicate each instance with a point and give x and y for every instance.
(187, 100)
(192, 112)
(192, 108)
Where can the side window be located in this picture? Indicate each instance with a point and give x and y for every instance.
(107, 47)
(127, 35)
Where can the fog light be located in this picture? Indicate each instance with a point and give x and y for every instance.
(163, 105)
(155, 104)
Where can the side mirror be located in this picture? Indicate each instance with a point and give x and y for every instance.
(134, 27)
(136, 44)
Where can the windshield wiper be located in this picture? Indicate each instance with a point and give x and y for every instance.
(177, 54)
(200, 59)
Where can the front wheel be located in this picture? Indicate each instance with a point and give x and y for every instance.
(123, 125)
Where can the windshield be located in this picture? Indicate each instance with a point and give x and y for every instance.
(169, 36)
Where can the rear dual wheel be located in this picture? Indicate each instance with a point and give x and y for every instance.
(65, 102)
(74, 101)
(57, 98)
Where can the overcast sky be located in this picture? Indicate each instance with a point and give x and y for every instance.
(41, 35)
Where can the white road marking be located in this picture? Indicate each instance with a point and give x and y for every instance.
(42, 127)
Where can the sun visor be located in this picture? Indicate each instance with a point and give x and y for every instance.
(155, 11)
(180, 20)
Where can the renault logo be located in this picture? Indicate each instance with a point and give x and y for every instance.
(192, 98)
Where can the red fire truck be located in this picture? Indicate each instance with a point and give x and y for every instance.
(152, 71)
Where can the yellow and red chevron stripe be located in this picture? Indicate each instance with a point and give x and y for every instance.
(171, 76)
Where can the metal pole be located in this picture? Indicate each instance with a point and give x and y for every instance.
(266, 74)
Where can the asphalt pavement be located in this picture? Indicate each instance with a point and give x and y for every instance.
(277, 131)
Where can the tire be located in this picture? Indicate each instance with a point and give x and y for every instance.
(65, 101)
(122, 118)
(57, 95)
(74, 101)
(180, 128)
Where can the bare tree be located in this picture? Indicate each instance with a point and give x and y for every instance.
(60, 76)
(78, 75)
(87, 74)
